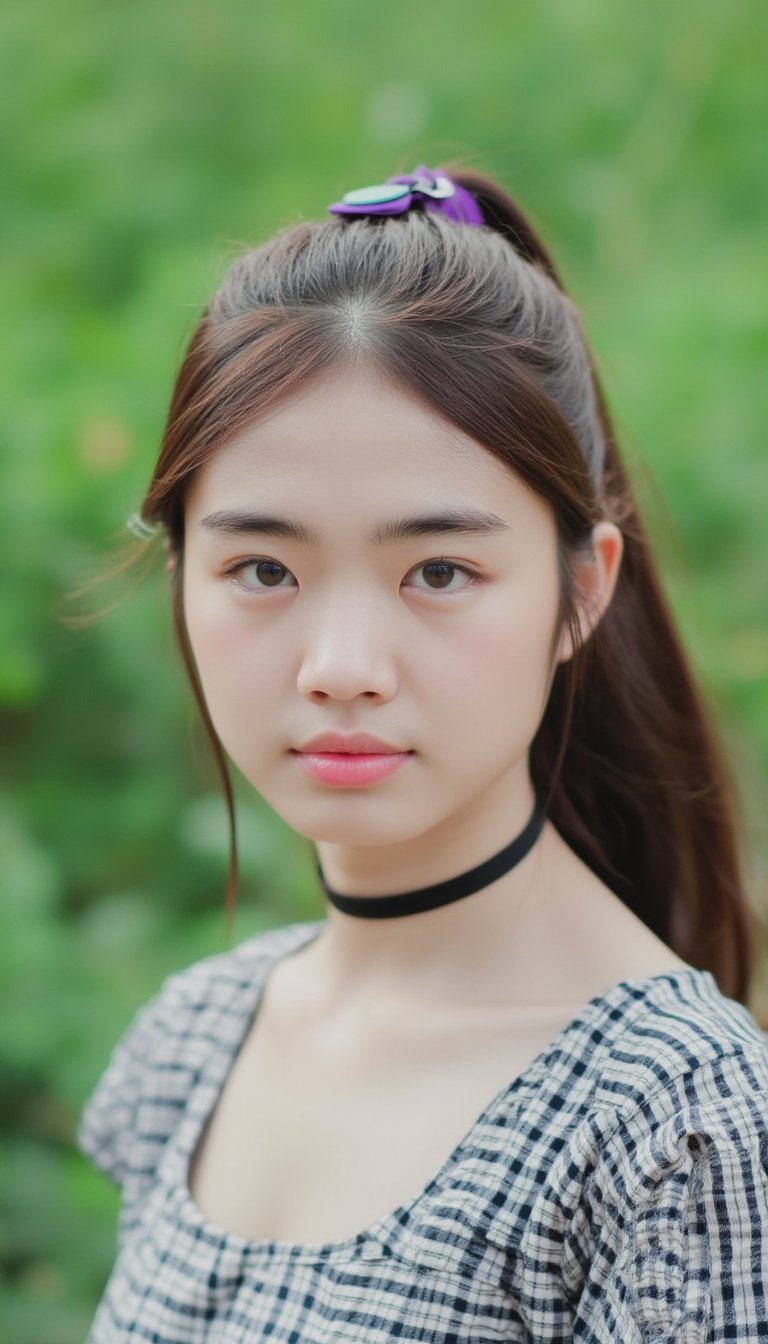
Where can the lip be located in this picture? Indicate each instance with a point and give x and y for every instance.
(354, 744)
(350, 760)
(351, 769)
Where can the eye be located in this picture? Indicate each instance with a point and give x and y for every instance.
(440, 574)
(256, 575)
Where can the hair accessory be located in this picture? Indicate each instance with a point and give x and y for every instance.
(423, 187)
(136, 525)
(442, 893)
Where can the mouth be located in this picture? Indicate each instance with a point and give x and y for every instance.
(349, 744)
(351, 769)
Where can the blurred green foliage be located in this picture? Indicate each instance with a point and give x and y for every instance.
(143, 143)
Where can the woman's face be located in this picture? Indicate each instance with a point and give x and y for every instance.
(348, 616)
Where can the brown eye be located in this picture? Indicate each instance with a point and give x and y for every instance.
(439, 576)
(255, 574)
(269, 572)
(441, 572)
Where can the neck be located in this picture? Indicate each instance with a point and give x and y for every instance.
(427, 947)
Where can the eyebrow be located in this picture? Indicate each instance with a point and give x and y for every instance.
(393, 530)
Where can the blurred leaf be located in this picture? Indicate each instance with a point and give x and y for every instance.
(143, 145)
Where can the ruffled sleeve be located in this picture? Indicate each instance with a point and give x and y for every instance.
(107, 1126)
(149, 1085)
(140, 1099)
(678, 1204)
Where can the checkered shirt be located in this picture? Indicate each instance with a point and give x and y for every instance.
(615, 1192)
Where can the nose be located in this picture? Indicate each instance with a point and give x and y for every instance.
(348, 652)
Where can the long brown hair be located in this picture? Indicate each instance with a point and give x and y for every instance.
(476, 323)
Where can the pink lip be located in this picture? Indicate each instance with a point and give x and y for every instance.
(349, 743)
(350, 760)
(351, 769)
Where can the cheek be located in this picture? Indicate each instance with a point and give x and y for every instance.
(228, 652)
(215, 638)
(513, 641)
(498, 678)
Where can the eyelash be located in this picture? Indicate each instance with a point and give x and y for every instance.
(234, 570)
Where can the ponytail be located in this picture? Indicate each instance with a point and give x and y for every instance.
(626, 754)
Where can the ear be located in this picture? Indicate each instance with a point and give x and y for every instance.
(594, 576)
(170, 557)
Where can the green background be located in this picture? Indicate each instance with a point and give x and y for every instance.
(143, 145)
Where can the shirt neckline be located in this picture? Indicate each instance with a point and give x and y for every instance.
(373, 1238)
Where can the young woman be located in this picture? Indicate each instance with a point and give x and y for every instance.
(508, 1088)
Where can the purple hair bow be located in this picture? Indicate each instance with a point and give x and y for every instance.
(433, 191)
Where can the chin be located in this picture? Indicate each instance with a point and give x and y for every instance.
(352, 820)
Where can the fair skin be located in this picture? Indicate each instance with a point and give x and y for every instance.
(296, 637)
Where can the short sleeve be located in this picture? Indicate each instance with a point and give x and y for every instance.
(108, 1131)
(678, 1204)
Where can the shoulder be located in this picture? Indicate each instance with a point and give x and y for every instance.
(655, 1052)
(688, 1062)
(197, 1005)
(640, 1063)
(671, 1230)
(654, 1031)
(154, 1064)
(233, 969)
(206, 992)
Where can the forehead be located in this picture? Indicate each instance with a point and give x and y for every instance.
(354, 440)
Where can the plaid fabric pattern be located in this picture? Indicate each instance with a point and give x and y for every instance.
(616, 1192)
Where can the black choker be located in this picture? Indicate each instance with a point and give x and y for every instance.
(442, 893)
